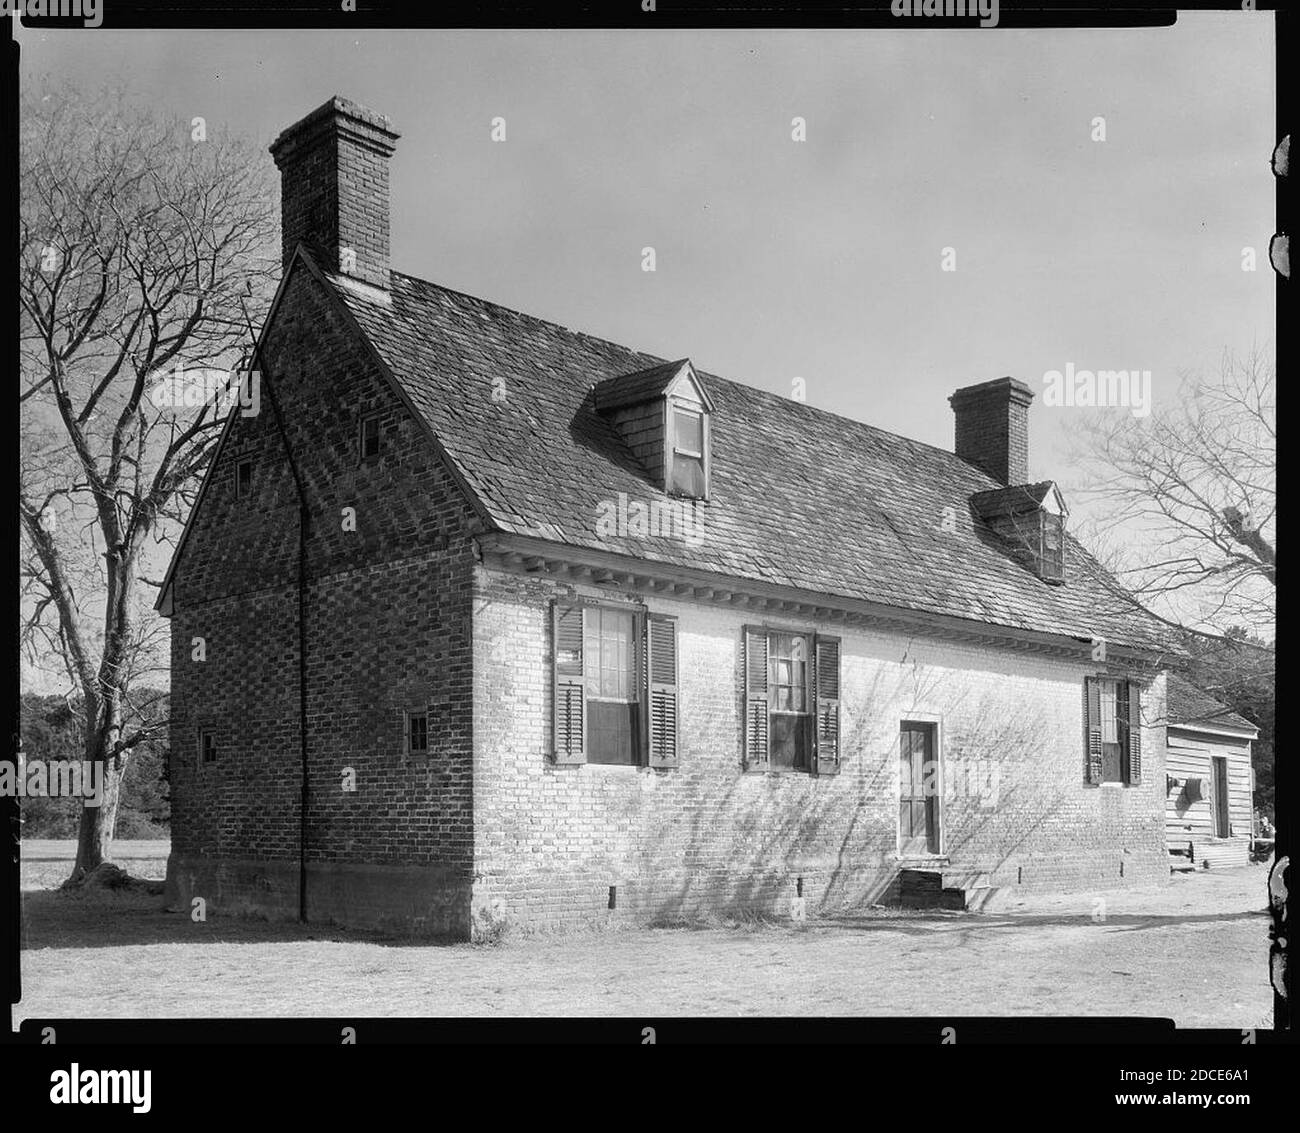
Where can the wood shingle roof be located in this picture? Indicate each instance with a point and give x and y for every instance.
(799, 497)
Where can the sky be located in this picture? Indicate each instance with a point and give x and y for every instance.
(821, 259)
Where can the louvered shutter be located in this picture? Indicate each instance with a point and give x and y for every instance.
(1134, 732)
(662, 699)
(406, 732)
(568, 669)
(826, 678)
(756, 705)
(1092, 723)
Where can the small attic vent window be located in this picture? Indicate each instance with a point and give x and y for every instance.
(1030, 520)
(369, 437)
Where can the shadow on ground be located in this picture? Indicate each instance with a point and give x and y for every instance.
(57, 919)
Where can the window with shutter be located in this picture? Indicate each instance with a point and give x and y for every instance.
(792, 701)
(756, 707)
(1113, 713)
(616, 696)
(827, 679)
(662, 695)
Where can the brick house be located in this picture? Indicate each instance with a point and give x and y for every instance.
(486, 622)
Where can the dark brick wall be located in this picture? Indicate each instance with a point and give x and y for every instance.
(992, 428)
(388, 629)
(334, 188)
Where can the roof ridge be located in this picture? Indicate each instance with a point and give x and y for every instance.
(660, 360)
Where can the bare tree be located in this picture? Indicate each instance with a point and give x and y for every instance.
(143, 242)
(1192, 489)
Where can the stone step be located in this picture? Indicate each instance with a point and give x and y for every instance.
(943, 877)
(965, 890)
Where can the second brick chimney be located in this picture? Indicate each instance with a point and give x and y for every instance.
(993, 428)
(334, 188)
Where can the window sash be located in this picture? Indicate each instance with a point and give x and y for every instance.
(417, 733)
(609, 642)
(787, 677)
(686, 466)
(1109, 693)
(680, 444)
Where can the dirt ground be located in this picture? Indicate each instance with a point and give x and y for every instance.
(1194, 950)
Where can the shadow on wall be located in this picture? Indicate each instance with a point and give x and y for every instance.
(748, 843)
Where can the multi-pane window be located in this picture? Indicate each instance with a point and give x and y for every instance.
(1114, 730)
(791, 723)
(608, 640)
(417, 732)
(615, 683)
(687, 473)
(792, 701)
(369, 437)
(612, 703)
(207, 746)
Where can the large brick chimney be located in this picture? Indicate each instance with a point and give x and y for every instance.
(334, 188)
(993, 428)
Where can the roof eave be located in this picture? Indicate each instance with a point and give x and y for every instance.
(521, 551)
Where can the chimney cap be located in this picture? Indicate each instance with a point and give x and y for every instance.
(1012, 388)
(375, 128)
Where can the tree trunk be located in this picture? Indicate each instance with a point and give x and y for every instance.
(95, 833)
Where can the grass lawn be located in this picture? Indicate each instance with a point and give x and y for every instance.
(1195, 949)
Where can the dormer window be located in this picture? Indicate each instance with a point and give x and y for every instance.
(688, 467)
(663, 415)
(1030, 519)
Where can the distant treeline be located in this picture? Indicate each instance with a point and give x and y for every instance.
(54, 728)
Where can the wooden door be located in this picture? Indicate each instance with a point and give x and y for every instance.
(918, 795)
(1222, 821)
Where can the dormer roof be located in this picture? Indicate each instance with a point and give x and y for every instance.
(665, 380)
(1019, 498)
